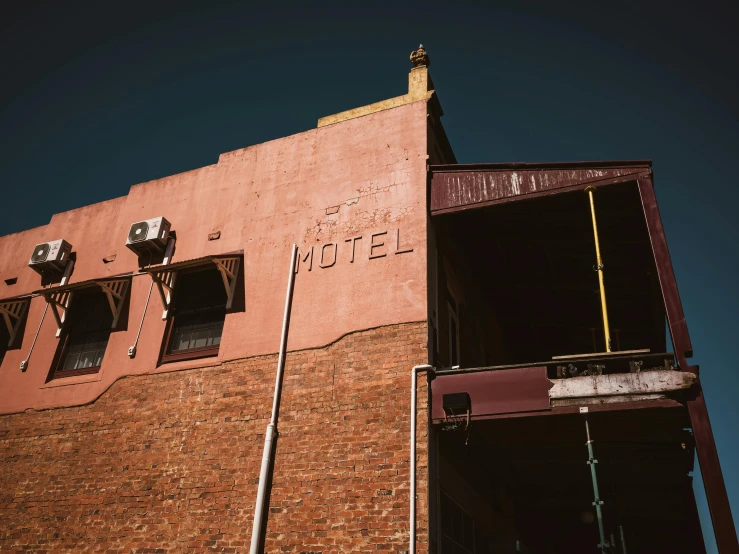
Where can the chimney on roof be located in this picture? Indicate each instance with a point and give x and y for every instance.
(419, 80)
(420, 87)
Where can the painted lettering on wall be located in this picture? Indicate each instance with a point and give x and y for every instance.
(375, 245)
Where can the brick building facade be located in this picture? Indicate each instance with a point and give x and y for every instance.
(146, 435)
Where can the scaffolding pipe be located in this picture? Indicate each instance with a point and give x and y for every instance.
(599, 269)
(623, 539)
(414, 397)
(270, 434)
(598, 503)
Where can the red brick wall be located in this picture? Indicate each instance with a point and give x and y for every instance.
(169, 462)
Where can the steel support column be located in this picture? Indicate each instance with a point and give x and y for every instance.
(667, 281)
(713, 479)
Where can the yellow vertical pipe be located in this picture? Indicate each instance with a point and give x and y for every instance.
(599, 269)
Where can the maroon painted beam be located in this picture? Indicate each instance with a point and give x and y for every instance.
(697, 542)
(459, 187)
(513, 391)
(713, 479)
(667, 281)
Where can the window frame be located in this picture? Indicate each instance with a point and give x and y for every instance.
(453, 504)
(454, 337)
(13, 312)
(67, 332)
(193, 353)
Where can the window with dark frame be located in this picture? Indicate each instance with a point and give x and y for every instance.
(86, 334)
(458, 533)
(453, 310)
(4, 339)
(198, 315)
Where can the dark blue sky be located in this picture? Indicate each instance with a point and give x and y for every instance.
(96, 98)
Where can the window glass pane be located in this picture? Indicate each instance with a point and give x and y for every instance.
(457, 528)
(74, 349)
(4, 338)
(88, 330)
(99, 357)
(71, 361)
(199, 311)
(200, 290)
(86, 359)
(458, 524)
(446, 515)
(453, 340)
(181, 339)
(91, 341)
(199, 337)
(216, 330)
(469, 533)
(452, 301)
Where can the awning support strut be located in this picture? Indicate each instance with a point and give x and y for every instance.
(115, 290)
(59, 303)
(13, 312)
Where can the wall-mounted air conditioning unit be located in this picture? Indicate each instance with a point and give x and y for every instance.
(149, 235)
(50, 256)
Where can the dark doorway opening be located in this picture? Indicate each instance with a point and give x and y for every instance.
(523, 484)
(520, 279)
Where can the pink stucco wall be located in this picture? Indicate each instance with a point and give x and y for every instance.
(356, 178)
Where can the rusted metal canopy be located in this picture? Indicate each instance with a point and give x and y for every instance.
(464, 186)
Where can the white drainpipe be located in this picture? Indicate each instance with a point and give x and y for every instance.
(414, 395)
(256, 530)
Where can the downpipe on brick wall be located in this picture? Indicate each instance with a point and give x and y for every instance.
(414, 398)
(269, 435)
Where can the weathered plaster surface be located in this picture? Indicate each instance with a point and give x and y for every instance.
(362, 177)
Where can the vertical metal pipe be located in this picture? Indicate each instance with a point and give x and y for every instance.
(256, 530)
(24, 363)
(167, 256)
(597, 502)
(623, 539)
(599, 269)
(414, 397)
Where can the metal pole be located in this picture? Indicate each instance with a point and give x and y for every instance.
(414, 397)
(597, 502)
(167, 256)
(599, 269)
(623, 539)
(270, 434)
(24, 363)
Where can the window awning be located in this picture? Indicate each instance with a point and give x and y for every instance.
(12, 311)
(165, 276)
(60, 298)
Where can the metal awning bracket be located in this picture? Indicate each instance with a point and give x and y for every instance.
(59, 303)
(13, 312)
(115, 290)
(229, 269)
(165, 281)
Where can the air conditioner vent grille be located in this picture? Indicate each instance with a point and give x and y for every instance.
(40, 253)
(138, 232)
